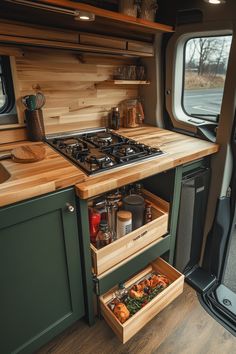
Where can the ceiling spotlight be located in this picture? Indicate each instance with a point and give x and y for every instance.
(215, 2)
(84, 16)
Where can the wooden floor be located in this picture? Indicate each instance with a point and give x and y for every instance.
(183, 327)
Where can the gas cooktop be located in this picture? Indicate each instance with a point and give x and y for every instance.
(101, 150)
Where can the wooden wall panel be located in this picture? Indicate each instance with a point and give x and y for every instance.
(68, 81)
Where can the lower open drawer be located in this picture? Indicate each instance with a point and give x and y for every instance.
(129, 328)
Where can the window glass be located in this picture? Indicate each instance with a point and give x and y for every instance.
(205, 65)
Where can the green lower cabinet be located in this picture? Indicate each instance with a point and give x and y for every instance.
(41, 290)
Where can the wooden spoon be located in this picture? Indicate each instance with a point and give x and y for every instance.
(26, 154)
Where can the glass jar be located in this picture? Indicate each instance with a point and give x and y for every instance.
(104, 235)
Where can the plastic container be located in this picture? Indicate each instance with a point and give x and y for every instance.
(124, 223)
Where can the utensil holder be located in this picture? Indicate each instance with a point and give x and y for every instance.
(35, 125)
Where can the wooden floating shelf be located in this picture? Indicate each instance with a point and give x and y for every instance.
(124, 82)
(113, 17)
(129, 82)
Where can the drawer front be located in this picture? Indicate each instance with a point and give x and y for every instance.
(99, 41)
(128, 329)
(128, 245)
(141, 47)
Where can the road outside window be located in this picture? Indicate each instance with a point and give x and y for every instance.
(206, 60)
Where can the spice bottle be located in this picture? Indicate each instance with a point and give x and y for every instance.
(124, 223)
(104, 235)
(138, 188)
(94, 221)
(115, 119)
(147, 213)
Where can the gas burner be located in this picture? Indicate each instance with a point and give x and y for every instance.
(71, 142)
(106, 137)
(126, 150)
(101, 150)
(99, 160)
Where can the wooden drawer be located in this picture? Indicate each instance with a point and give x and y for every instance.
(111, 255)
(141, 47)
(128, 329)
(100, 41)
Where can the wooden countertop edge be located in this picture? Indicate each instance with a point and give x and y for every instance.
(12, 196)
(88, 188)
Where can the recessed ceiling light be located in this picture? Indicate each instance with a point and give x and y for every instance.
(84, 16)
(215, 2)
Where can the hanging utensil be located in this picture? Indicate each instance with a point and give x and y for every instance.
(40, 100)
(34, 102)
(30, 102)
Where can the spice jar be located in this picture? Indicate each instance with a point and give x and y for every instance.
(115, 119)
(124, 223)
(104, 235)
(121, 292)
(147, 213)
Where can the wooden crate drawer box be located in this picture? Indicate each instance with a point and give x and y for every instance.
(129, 328)
(121, 249)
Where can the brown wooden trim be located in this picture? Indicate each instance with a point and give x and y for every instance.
(12, 135)
(11, 51)
(19, 107)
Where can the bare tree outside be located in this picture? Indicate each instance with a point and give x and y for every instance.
(206, 60)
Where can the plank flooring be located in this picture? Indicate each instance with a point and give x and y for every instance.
(183, 327)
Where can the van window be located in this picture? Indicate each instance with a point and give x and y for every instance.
(7, 97)
(2, 89)
(205, 66)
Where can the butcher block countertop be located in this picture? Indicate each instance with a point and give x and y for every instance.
(55, 172)
(179, 148)
(29, 180)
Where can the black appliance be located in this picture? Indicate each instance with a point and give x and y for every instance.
(193, 202)
(101, 150)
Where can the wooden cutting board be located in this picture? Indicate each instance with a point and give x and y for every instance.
(26, 154)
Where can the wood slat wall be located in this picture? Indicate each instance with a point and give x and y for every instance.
(68, 81)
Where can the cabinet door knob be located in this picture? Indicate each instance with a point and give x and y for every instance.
(70, 207)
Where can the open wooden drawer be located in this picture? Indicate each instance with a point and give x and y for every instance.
(111, 255)
(128, 329)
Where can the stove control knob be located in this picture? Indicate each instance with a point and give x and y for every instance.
(70, 207)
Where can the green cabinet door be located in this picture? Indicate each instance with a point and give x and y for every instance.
(40, 272)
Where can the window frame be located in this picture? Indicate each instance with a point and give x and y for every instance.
(192, 116)
(8, 110)
(174, 76)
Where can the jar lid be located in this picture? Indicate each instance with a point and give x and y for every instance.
(134, 199)
(124, 215)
